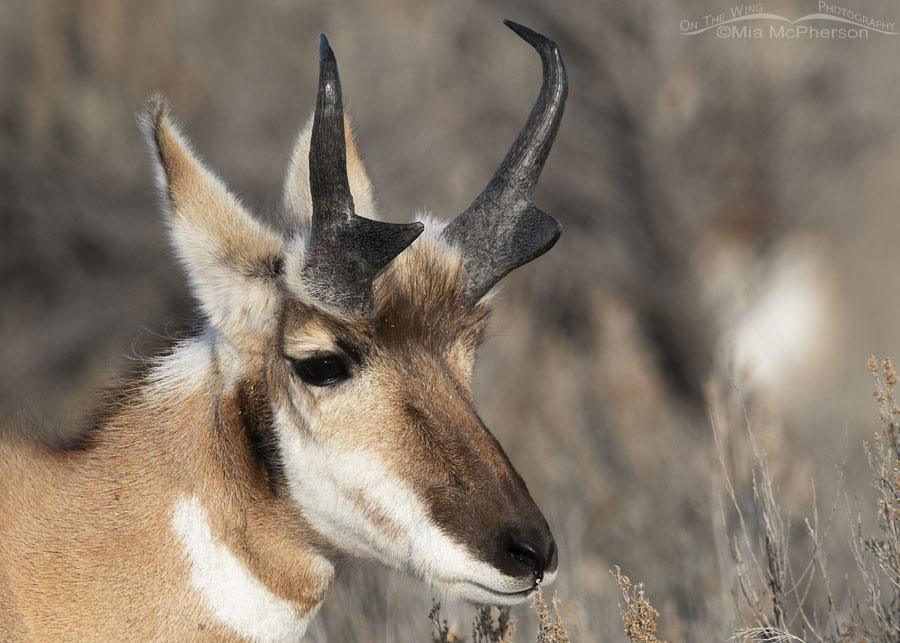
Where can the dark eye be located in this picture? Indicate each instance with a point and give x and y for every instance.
(322, 370)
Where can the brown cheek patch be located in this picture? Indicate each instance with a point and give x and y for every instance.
(246, 448)
(257, 421)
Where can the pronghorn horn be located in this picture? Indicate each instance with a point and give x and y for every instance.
(345, 251)
(501, 229)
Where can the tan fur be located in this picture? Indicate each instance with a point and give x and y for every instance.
(87, 540)
(87, 548)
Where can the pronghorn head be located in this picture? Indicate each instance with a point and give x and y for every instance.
(349, 342)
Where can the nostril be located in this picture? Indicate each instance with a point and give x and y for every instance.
(529, 555)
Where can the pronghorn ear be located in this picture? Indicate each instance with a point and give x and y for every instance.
(297, 200)
(232, 260)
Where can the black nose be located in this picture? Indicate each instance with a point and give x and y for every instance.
(530, 556)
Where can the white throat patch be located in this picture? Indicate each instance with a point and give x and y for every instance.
(236, 598)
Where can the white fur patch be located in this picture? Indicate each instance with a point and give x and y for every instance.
(237, 599)
(194, 365)
(188, 362)
(327, 486)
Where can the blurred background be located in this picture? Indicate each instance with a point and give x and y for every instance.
(729, 211)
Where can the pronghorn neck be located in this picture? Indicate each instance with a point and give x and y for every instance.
(325, 412)
(254, 592)
(255, 564)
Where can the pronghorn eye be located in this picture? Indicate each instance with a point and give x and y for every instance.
(322, 370)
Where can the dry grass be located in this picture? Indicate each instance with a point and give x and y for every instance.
(778, 601)
(497, 625)
(441, 629)
(638, 615)
(772, 591)
(491, 628)
(491, 625)
(550, 625)
(876, 616)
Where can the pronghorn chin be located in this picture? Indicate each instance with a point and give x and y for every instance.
(324, 411)
(482, 595)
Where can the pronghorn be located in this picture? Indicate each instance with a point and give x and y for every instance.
(322, 413)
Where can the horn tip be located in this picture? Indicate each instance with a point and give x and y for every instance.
(403, 235)
(530, 36)
(406, 233)
(325, 51)
(329, 82)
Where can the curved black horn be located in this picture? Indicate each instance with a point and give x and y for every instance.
(345, 251)
(502, 229)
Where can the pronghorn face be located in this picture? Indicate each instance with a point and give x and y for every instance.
(357, 339)
(381, 445)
